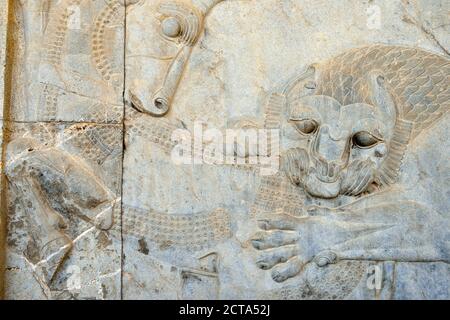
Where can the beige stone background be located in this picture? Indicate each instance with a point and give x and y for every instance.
(3, 29)
(183, 232)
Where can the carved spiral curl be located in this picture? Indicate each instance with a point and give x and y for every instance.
(189, 19)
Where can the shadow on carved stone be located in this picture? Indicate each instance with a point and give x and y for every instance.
(54, 188)
(349, 122)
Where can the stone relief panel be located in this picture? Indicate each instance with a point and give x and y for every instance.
(3, 41)
(341, 173)
(64, 211)
(69, 60)
(228, 149)
(63, 159)
(3, 36)
(352, 115)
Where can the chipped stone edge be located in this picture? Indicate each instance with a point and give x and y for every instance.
(6, 47)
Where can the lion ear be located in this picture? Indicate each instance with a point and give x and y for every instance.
(277, 103)
(303, 84)
(398, 142)
(381, 98)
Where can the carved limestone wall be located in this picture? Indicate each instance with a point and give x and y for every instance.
(225, 149)
(63, 161)
(3, 41)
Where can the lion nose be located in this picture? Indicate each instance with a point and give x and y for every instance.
(329, 148)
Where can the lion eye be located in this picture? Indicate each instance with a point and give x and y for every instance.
(364, 139)
(306, 126)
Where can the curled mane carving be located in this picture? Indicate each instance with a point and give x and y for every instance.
(418, 83)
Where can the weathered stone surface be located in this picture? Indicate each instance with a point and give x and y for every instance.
(335, 187)
(3, 41)
(69, 61)
(63, 160)
(3, 35)
(64, 211)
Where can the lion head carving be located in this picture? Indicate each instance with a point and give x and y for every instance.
(346, 123)
(345, 146)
